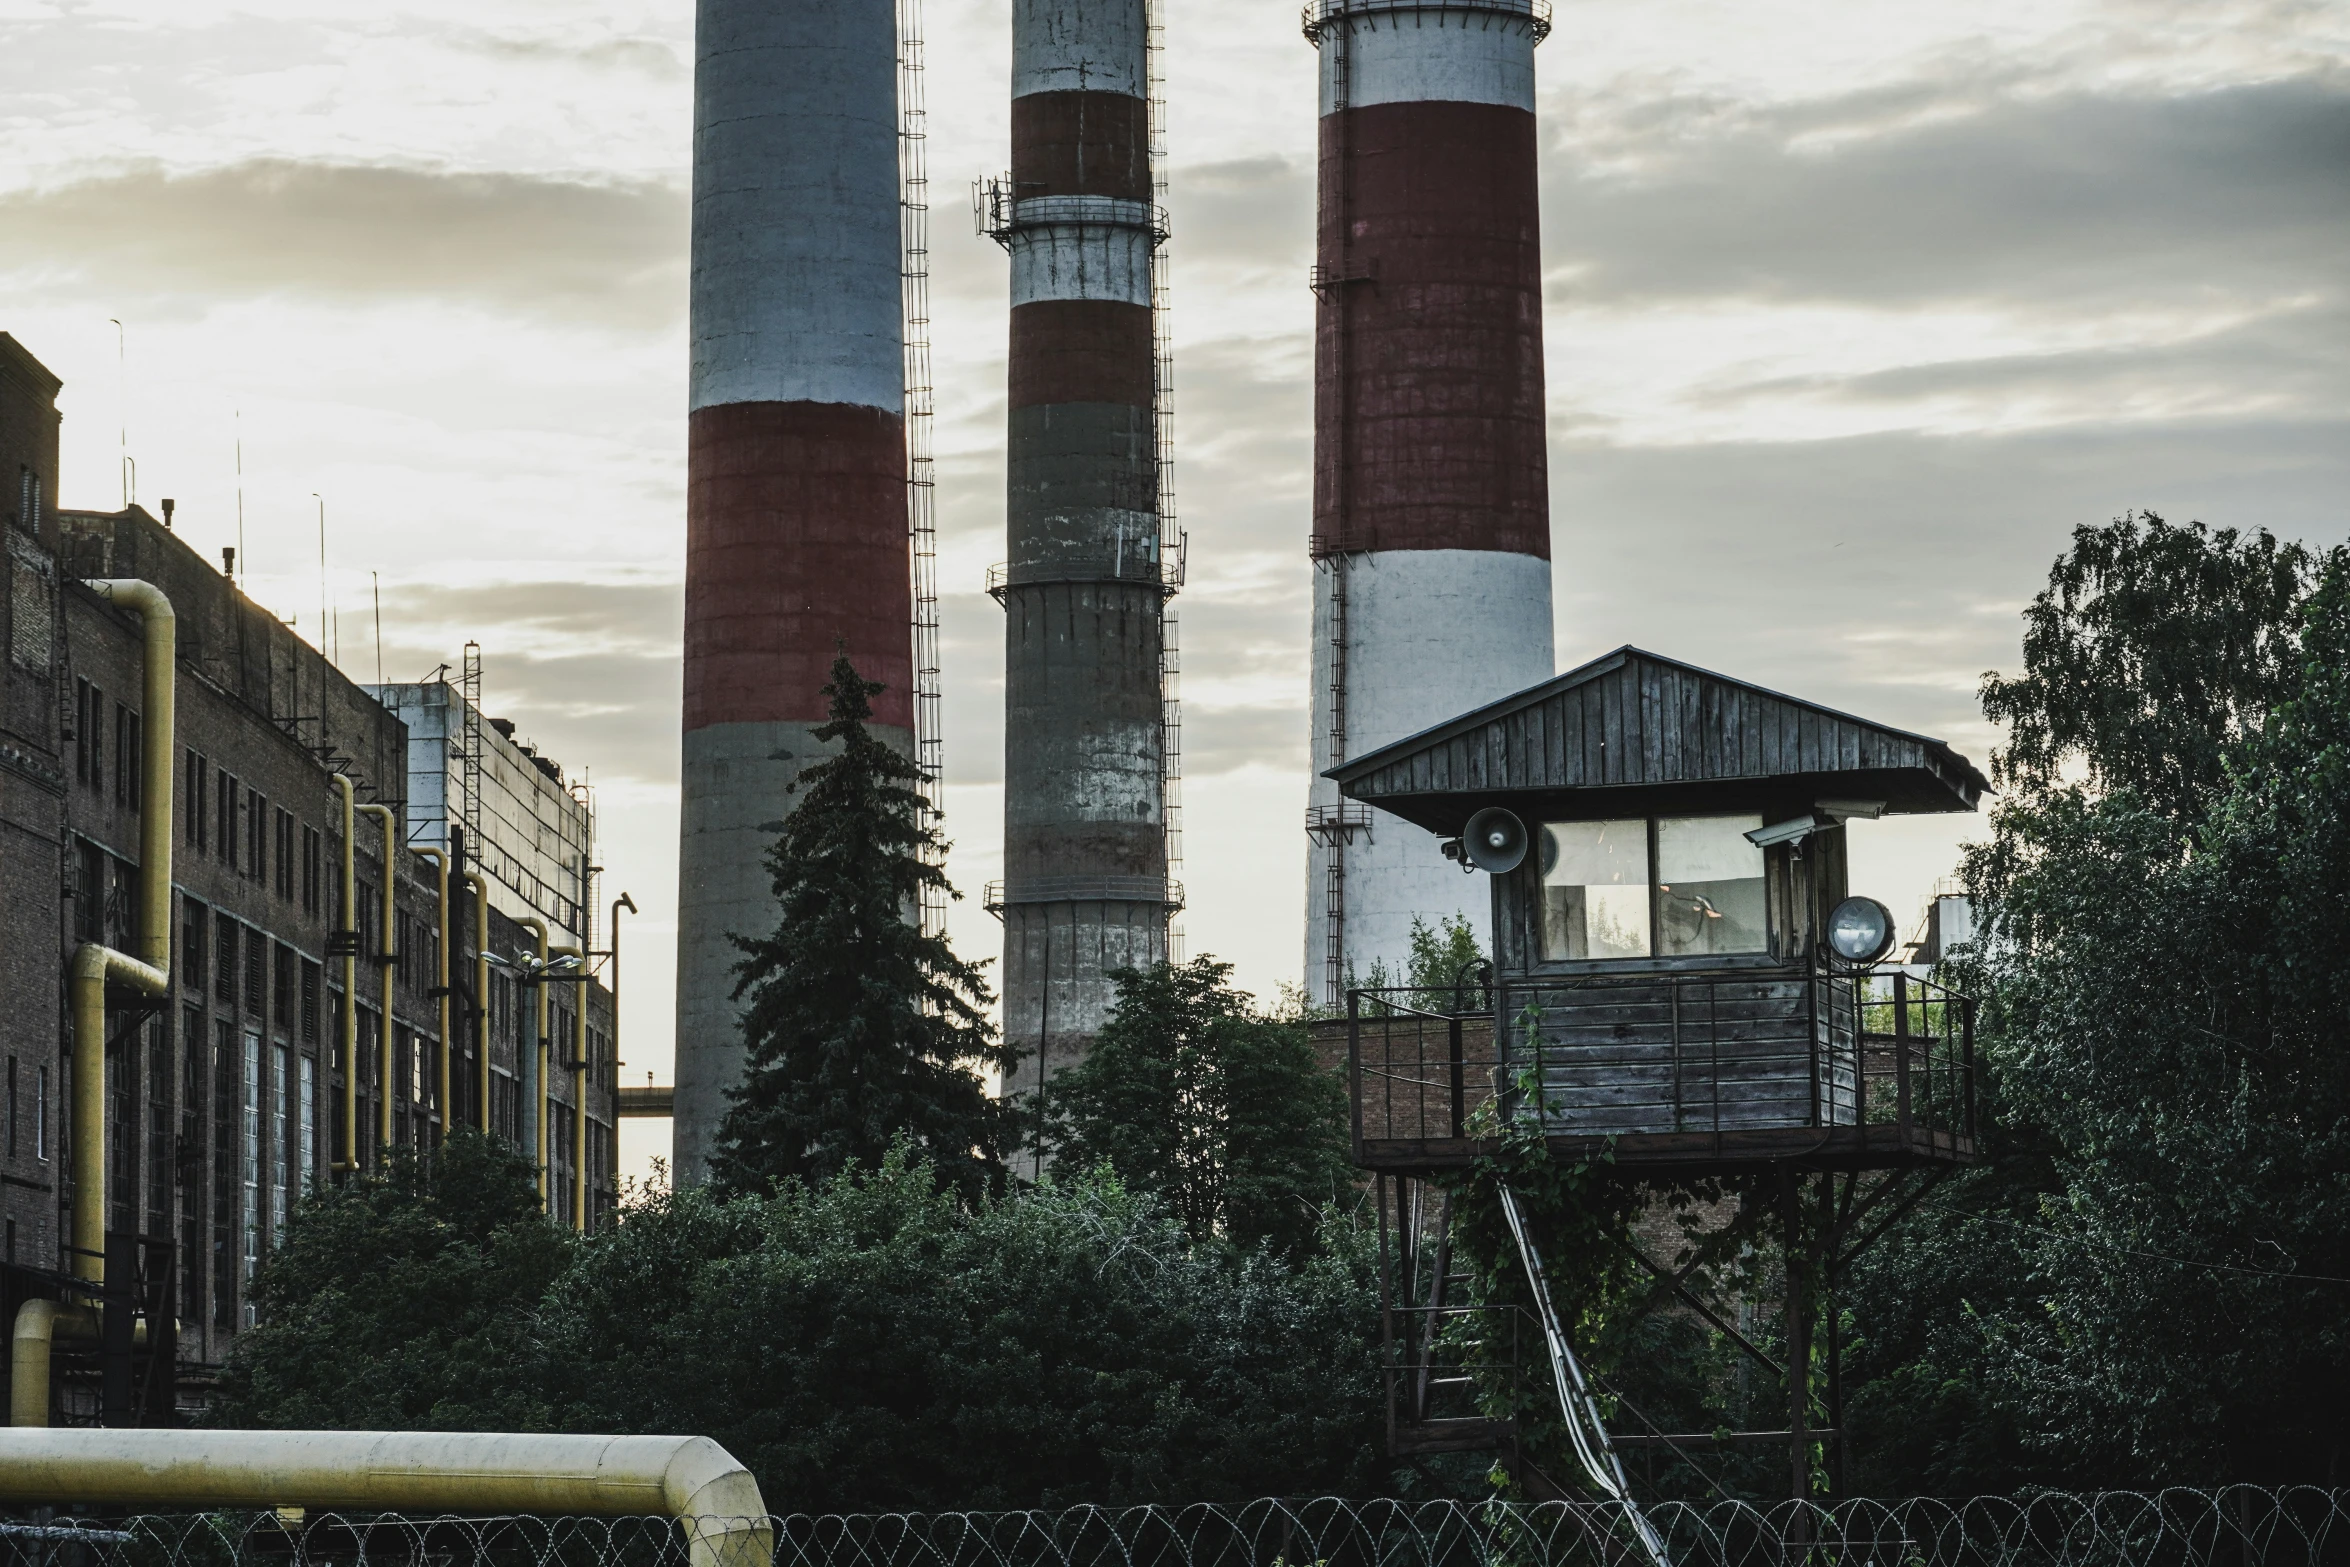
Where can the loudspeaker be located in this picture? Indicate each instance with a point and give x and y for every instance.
(1495, 840)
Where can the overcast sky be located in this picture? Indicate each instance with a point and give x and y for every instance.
(1854, 310)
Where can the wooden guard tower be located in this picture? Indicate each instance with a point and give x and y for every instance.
(1666, 990)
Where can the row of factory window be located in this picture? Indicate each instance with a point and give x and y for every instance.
(219, 815)
(90, 724)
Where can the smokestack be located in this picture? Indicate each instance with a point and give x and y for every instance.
(796, 520)
(1431, 539)
(1084, 592)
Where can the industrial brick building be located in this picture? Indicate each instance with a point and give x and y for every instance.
(231, 1095)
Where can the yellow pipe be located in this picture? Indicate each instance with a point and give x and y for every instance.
(94, 965)
(538, 1047)
(441, 1084)
(481, 996)
(349, 932)
(385, 958)
(689, 1478)
(37, 1321)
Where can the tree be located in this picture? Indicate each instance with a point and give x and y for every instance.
(861, 1028)
(2152, 650)
(1194, 1097)
(875, 1344)
(2132, 1290)
(404, 1302)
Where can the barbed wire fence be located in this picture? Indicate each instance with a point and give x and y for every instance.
(2237, 1526)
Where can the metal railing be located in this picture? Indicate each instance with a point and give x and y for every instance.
(1712, 1051)
(1317, 15)
(1000, 895)
(2236, 1526)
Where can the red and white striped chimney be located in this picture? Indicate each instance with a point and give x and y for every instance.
(796, 533)
(1431, 537)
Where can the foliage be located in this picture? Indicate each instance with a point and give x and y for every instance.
(2152, 650)
(2113, 1299)
(1222, 1112)
(1439, 955)
(404, 1301)
(874, 1344)
(860, 1028)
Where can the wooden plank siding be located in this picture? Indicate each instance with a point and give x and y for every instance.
(1636, 719)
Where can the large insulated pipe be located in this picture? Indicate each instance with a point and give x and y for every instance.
(796, 519)
(480, 892)
(1084, 591)
(386, 960)
(441, 1070)
(94, 967)
(689, 1478)
(1431, 539)
(347, 937)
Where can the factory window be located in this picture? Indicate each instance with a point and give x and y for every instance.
(256, 979)
(12, 1107)
(313, 855)
(285, 853)
(226, 782)
(159, 1149)
(88, 751)
(249, 1152)
(224, 1173)
(306, 1122)
(199, 775)
(28, 514)
(191, 953)
(224, 960)
(89, 904)
(281, 985)
(309, 1002)
(256, 837)
(282, 1142)
(367, 931)
(41, 1114)
(193, 1051)
(126, 756)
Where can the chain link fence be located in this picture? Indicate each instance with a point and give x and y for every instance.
(2239, 1526)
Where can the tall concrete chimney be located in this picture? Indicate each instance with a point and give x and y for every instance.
(1431, 540)
(796, 507)
(1085, 885)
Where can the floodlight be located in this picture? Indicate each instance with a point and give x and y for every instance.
(1860, 930)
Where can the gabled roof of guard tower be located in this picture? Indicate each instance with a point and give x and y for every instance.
(1633, 731)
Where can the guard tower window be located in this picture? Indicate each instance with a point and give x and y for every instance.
(1674, 886)
(1709, 886)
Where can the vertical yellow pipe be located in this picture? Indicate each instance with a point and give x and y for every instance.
(481, 998)
(94, 965)
(348, 934)
(538, 1113)
(441, 1084)
(386, 959)
(38, 1322)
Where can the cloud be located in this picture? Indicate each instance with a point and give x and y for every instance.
(612, 252)
(1949, 192)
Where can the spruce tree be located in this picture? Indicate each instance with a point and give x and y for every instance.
(861, 1029)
